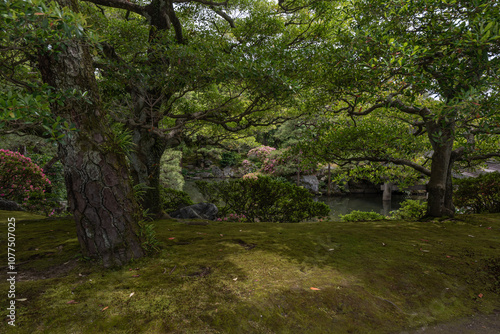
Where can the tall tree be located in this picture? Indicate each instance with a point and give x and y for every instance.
(100, 194)
(178, 62)
(388, 54)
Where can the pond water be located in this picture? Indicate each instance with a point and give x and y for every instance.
(346, 204)
(338, 205)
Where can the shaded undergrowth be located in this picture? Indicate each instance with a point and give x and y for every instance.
(373, 277)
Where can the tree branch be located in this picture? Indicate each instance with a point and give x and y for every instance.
(121, 4)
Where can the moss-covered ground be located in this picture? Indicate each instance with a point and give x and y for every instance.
(324, 277)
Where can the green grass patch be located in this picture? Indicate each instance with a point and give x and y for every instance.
(369, 277)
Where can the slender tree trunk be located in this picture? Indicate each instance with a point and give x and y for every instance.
(100, 193)
(440, 187)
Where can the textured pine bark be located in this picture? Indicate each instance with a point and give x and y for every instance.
(100, 192)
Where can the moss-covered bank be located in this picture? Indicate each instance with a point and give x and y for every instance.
(378, 277)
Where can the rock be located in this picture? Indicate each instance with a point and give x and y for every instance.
(200, 211)
(217, 172)
(228, 172)
(310, 182)
(206, 175)
(9, 205)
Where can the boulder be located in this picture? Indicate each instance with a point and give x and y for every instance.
(228, 172)
(217, 172)
(197, 211)
(310, 182)
(9, 205)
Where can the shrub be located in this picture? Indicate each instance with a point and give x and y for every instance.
(360, 216)
(23, 181)
(478, 194)
(410, 210)
(233, 217)
(260, 153)
(172, 200)
(229, 159)
(262, 199)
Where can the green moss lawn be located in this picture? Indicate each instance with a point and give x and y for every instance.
(323, 277)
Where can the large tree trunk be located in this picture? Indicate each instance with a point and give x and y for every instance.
(145, 161)
(440, 187)
(98, 182)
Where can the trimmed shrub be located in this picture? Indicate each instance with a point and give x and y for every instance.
(262, 198)
(410, 210)
(172, 200)
(361, 216)
(23, 181)
(478, 194)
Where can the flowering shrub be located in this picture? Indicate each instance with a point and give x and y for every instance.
(260, 153)
(253, 176)
(23, 181)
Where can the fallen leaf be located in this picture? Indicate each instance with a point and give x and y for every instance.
(104, 309)
(22, 299)
(222, 235)
(171, 238)
(315, 289)
(136, 275)
(131, 294)
(480, 295)
(72, 302)
(235, 279)
(470, 235)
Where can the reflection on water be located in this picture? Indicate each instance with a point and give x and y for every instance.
(338, 205)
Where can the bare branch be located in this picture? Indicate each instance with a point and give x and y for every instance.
(121, 4)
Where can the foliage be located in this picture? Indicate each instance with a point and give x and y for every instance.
(171, 170)
(410, 210)
(479, 194)
(33, 27)
(260, 153)
(23, 181)
(150, 243)
(361, 216)
(430, 67)
(229, 159)
(262, 199)
(172, 199)
(232, 217)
